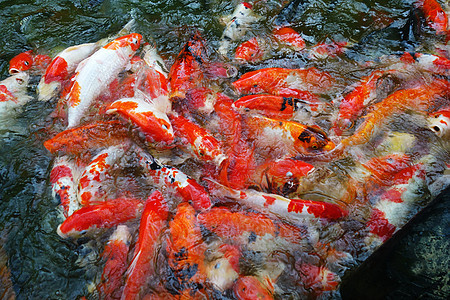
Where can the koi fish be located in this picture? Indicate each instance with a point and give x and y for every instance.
(200, 100)
(27, 61)
(237, 25)
(154, 60)
(250, 288)
(433, 63)
(287, 36)
(282, 81)
(94, 74)
(164, 177)
(435, 16)
(281, 176)
(288, 137)
(201, 142)
(153, 221)
(91, 188)
(280, 107)
(90, 218)
(291, 210)
(186, 250)
(223, 270)
(148, 116)
(13, 96)
(250, 51)
(317, 279)
(352, 105)
(92, 136)
(418, 99)
(63, 177)
(61, 68)
(186, 72)
(115, 257)
(327, 50)
(439, 122)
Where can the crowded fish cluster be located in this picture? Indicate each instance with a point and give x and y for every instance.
(201, 181)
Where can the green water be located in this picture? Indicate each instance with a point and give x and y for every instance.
(42, 264)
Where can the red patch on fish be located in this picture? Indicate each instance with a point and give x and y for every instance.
(379, 225)
(6, 95)
(56, 71)
(59, 172)
(269, 200)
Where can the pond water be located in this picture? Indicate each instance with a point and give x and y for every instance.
(42, 264)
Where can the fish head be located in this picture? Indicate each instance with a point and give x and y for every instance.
(249, 287)
(312, 140)
(249, 51)
(132, 40)
(21, 62)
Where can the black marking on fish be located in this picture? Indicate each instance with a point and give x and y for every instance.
(252, 237)
(287, 100)
(305, 136)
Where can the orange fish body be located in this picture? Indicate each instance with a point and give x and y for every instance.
(281, 81)
(249, 51)
(104, 215)
(186, 73)
(202, 143)
(250, 288)
(115, 256)
(186, 249)
(289, 37)
(95, 135)
(153, 221)
(293, 137)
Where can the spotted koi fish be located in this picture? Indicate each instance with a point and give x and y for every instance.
(94, 74)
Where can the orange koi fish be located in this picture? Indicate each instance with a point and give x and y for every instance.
(237, 25)
(201, 142)
(63, 177)
(290, 210)
(169, 177)
(418, 99)
(186, 72)
(281, 176)
(186, 250)
(249, 51)
(115, 257)
(280, 107)
(435, 16)
(289, 137)
(148, 116)
(250, 288)
(27, 61)
(91, 189)
(61, 68)
(105, 215)
(94, 74)
(92, 136)
(153, 221)
(287, 36)
(281, 81)
(352, 105)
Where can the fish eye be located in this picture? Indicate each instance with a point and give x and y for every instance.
(26, 63)
(314, 147)
(134, 41)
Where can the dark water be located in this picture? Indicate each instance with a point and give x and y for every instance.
(42, 264)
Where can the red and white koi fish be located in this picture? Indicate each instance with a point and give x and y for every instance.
(327, 50)
(433, 63)
(90, 219)
(64, 177)
(252, 50)
(224, 269)
(204, 145)
(250, 288)
(27, 61)
(280, 107)
(352, 105)
(282, 81)
(13, 95)
(115, 256)
(61, 68)
(153, 221)
(148, 116)
(167, 177)
(288, 137)
(91, 188)
(94, 74)
(237, 25)
(281, 176)
(435, 16)
(88, 137)
(186, 250)
(439, 122)
(186, 72)
(289, 37)
(291, 210)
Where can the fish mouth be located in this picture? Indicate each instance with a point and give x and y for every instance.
(13, 71)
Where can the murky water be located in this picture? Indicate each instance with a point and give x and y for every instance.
(42, 264)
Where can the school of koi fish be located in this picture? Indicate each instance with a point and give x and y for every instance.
(204, 181)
